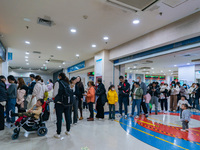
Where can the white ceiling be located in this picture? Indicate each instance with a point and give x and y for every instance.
(103, 20)
(165, 63)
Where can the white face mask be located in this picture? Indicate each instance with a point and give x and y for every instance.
(112, 89)
(137, 80)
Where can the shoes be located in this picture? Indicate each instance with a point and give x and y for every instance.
(165, 112)
(67, 133)
(101, 119)
(174, 110)
(91, 119)
(146, 115)
(88, 118)
(10, 114)
(136, 116)
(125, 116)
(57, 136)
(183, 130)
(81, 118)
(156, 113)
(75, 123)
(130, 115)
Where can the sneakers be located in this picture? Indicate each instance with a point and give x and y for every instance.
(57, 136)
(67, 133)
(75, 123)
(136, 116)
(165, 112)
(10, 114)
(125, 116)
(146, 115)
(81, 118)
(183, 130)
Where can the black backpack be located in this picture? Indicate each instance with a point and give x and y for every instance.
(67, 97)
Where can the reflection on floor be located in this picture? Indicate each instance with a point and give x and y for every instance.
(160, 131)
(163, 131)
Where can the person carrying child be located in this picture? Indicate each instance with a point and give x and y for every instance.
(185, 117)
(182, 101)
(112, 100)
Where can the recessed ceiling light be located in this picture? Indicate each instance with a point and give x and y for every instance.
(169, 70)
(136, 21)
(164, 74)
(105, 38)
(27, 42)
(171, 73)
(59, 47)
(136, 70)
(47, 61)
(152, 68)
(77, 55)
(60, 66)
(94, 45)
(64, 63)
(27, 63)
(130, 71)
(26, 56)
(26, 19)
(175, 65)
(144, 69)
(42, 67)
(188, 63)
(153, 72)
(134, 67)
(44, 64)
(73, 30)
(161, 71)
(128, 67)
(26, 59)
(27, 53)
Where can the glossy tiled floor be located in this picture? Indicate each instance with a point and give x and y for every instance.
(161, 131)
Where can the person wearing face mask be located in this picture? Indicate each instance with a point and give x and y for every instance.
(191, 95)
(196, 93)
(50, 88)
(174, 91)
(112, 100)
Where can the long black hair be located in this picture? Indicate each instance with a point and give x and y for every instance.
(64, 77)
(79, 84)
(112, 86)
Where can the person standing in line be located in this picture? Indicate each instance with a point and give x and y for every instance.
(154, 91)
(80, 96)
(174, 90)
(196, 92)
(191, 96)
(185, 117)
(74, 88)
(12, 95)
(164, 93)
(144, 88)
(39, 89)
(31, 86)
(180, 102)
(22, 91)
(60, 90)
(136, 99)
(3, 99)
(90, 98)
(124, 90)
(101, 100)
(50, 88)
(112, 100)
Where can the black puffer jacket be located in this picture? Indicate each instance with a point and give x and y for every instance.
(3, 92)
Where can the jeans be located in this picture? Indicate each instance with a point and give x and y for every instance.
(85, 105)
(60, 109)
(1, 117)
(196, 104)
(75, 110)
(91, 109)
(185, 125)
(164, 103)
(121, 101)
(10, 106)
(138, 103)
(112, 111)
(147, 105)
(154, 100)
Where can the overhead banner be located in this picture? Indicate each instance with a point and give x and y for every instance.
(78, 66)
(98, 68)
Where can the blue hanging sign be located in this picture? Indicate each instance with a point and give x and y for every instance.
(78, 66)
(10, 56)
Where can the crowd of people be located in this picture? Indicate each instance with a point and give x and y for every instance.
(70, 96)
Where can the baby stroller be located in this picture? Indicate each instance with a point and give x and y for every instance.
(30, 124)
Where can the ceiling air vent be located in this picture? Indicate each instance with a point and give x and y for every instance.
(56, 61)
(174, 3)
(36, 52)
(134, 5)
(45, 22)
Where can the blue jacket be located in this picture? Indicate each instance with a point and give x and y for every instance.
(3, 92)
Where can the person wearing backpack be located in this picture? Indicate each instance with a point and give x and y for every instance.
(63, 100)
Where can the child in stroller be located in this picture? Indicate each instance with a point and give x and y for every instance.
(32, 120)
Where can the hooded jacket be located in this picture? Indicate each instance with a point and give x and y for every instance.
(39, 90)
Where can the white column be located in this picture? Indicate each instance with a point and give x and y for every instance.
(186, 74)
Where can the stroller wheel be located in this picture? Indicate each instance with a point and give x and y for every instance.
(15, 136)
(42, 131)
(16, 130)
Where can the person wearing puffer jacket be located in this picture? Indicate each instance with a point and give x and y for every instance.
(39, 89)
(3, 99)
